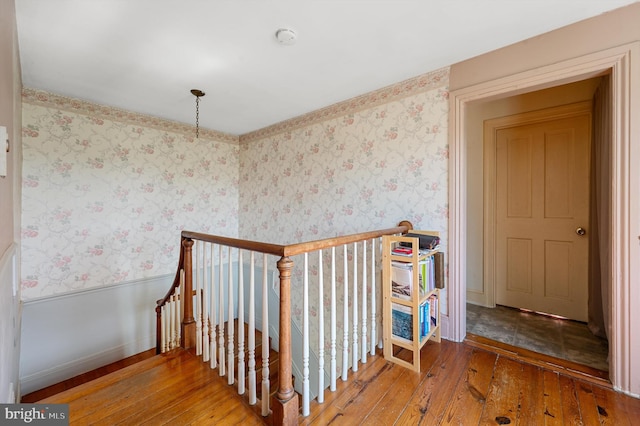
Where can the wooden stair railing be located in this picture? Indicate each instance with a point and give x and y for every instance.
(174, 308)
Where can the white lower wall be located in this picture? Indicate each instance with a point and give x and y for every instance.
(9, 326)
(67, 335)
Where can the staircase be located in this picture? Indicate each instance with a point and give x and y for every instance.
(273, 367)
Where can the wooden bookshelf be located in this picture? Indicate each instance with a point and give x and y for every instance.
(411, 304)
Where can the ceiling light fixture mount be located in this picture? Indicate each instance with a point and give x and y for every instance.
(198, 94)
(286, 36)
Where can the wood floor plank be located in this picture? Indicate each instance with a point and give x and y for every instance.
(371, 392)
(221, 406)
(552, 399)
(391, 405)
(611, 408)
(569, 401)
(91, 387)
(207, 397)
(471, 393)
(428, 404)
(587, 402)
(231, 417)
(58, 388)
(502, 400)
(342, 387)
(159, 397)
(334, 412)
(531, 396)
(129, 391)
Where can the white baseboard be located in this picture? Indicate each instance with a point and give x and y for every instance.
(58, 373)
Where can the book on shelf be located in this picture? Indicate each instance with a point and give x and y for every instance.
(408, 251)
(402, 277)
(430, 273)
(425, 313)
(401, 321)
(402, 251)
(425, 242)
(433, 310)
(401, 280)
(427, 274)
(438, 260)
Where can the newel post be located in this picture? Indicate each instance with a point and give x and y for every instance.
(285, 401)
(158, 329)
(188, 327)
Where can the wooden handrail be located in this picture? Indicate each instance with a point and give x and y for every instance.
(298, 248)
(176, 279)
(256, 246)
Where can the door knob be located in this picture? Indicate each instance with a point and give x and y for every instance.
(581, 231)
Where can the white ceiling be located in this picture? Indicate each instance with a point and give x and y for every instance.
(146, 55)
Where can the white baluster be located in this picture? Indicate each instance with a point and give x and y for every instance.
(365, 349)
(167, 325)
(198, 300)
(320, 396)
(212, 314)
(252, 332)
(172, 320)
(266, 385)
(373, 296)
(305, 337)
(163, 328)
(230, 321)
(241, 378)
(333, 320)
(205, 309)
(221, 355)
(354, 362)
(345, 317)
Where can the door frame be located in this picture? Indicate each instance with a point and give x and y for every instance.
(625, 88)
(491, 126)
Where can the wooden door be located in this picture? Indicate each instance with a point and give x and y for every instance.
(542, 206)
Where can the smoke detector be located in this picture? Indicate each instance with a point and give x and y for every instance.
(286, 36)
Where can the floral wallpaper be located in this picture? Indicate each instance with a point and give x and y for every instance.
(106, 193)
(363, 170)
(365, 164)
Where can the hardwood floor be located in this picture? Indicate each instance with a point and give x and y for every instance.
(460, 383)
(86, 377)
(175, 388)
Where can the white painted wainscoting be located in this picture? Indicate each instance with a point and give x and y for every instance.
(9, 325)
(70, 334)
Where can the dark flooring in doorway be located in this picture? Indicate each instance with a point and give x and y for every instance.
(566, 339)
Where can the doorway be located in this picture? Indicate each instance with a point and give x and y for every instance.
(621, 271)
(506, 262)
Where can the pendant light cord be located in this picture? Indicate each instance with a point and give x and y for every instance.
(198, 94)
